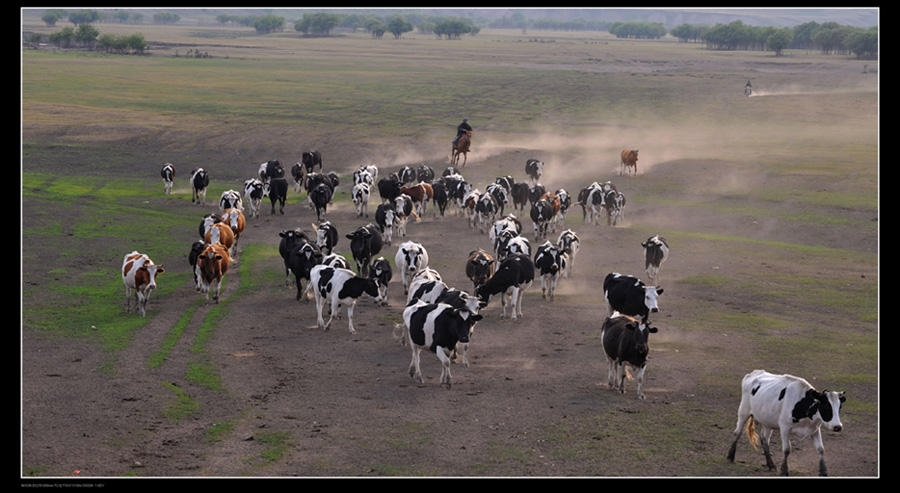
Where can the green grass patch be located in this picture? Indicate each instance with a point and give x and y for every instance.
(182, 405)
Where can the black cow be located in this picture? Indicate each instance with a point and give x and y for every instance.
(199, 183)
(290, 239)
(384, 218)
(512, 277)
(656, 251)
(277, 191)
(549, 262)
(298, 172)
(196, 249)
(441, 196)
(437, 327)
(479, 267)
(534, 169)
(269, 170)
(301, 261)
(500, 194)
(381, 270)
(389, 189)
(320, 196)
(626, 342)
(535, 193)
(519, 192)
(365, 243)
(541, 215)
(326, 236)
(311, 160)
(629, 296)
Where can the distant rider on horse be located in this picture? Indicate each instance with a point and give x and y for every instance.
(461, 130)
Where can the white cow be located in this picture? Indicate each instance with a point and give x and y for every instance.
(411, 258)
(340, 287)
(789, 404)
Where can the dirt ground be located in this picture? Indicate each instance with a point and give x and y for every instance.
(346, 401)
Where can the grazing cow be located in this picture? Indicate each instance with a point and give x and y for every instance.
(568, 242)
(407, 175)
(230, 199)
(626, 342)
(254, 191)
(403, 209)
(311, 160)
(629, 162)
(389, 189)
(519, 192)
(425, 173)
(196, 249)
(513, 276)
(420, 195)
(360, 196)
(290, 239)
(479, 267)
(534, 169)
(139, 276)
(656, 251)
(365, 243)
(213, 264)
(411, 258)
(326, 236)
(277, 189)
(301, 260)
(437, 327)
(320, 197)
(541, 215)
(234, 218)
(199, 183)
(384, 218)
(629, 296)
(340, 287)
(789, 404)
(168, 175)
(381, 270)
(222, 234)
(550, 262)
(269, 170)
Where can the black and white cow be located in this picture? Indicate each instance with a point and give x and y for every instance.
(424, 173)
(411, 258)
(541, 215)
(365, 243)
(403, 210)
(534, 169)
(360, 196)
(363, 175)
(290, 239)
(168, 175)
(269, 170)
(199, 183)
(340, 287)
(509, 224)
(500, 194)
(516, 245)
(626, 343)
(486, 209)
(384, 218)
(311, 160)
(230, 199)
(628, 295)
(320, 196)
(792, 406)
(479, 267)
(326, 236)
(337, 261)
(298, 172)
(565, 201)
(301, 260)
(656, 251)
(407, 175)
(381, 270)
(512, 277)
(549, 262)
(254, 191)
(535, 193)
(277, 189)
(437, 327)
(568, 242)
(614, 204)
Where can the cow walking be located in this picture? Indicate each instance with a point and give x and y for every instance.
(626, 343)
(437, 327)
(656, 251)
(168, 175)
(139, 276)
(512, 277)
(199, 183)
(629, 296)
(340, 287)
(792, 406)
(629, 162)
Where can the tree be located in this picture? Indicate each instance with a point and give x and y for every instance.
(63, 38)
(266, 24)
(84, 17)
(780, 39)
(398, 26)
(86, 35)
(51, 17)
(863, 43)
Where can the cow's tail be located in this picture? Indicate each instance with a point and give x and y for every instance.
(750, 429)
(416, 216)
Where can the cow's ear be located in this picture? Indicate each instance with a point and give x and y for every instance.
(160, 270)
(143, 268)
(659, 290)
(652, 330)
(491, 261)
(349, 237)
(477, 317)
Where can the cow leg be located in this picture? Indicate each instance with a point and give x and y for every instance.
(127, 299)
(764, 436)
(785, 448)
(640, 381)
(612, 373)
(415, 372)
(514, 302)
(350, 308)
(445, 366)
(817, 441)
(742, 421)
(320, 305)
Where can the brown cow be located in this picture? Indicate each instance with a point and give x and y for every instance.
(213, 264)
(420, 195)
(629, 160)
(235, 220)
(556, 205)
(139, 275)
(222, 234)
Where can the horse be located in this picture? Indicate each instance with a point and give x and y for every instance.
(461, 147)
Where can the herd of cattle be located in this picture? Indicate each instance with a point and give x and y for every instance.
(440, 318)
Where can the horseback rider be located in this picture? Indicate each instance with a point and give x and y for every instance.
(461, 130)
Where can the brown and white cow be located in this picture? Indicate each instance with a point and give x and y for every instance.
(629, 160)
(222, 234)
(420, 194)
(212, 265)
(235, 220)
(139, 276)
